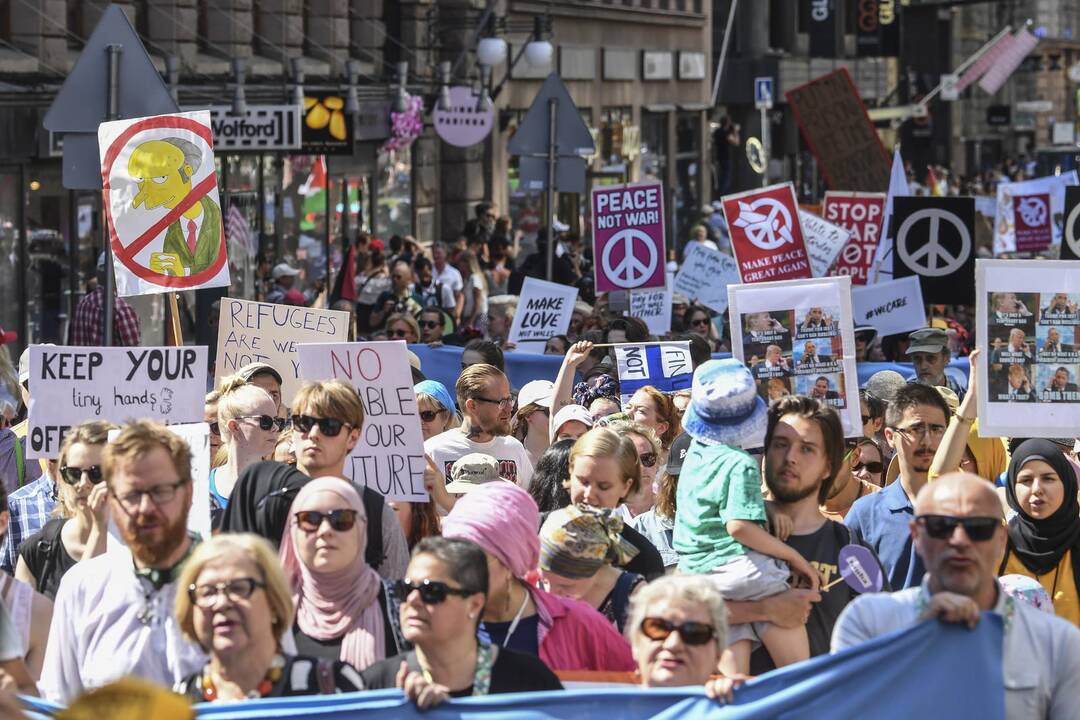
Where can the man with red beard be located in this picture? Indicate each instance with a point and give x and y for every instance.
(915, 422)
(113, 614)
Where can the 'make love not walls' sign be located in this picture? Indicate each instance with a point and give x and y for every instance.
(76, 384)
(389, 457)
(543, 312)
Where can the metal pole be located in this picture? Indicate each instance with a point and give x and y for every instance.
(765, 145)
(329, 217)
(553, 110)
(966, 64)
(112, 112)
(723, 53)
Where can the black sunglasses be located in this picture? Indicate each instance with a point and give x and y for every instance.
(430, 324)
(266, 422)
(312, 520)
(330, 427)
(72, 475)
(399, 333)
(941, 527)
(692, 633)
(432, 592)
(871, 467)
(648, 459)
(429, 415)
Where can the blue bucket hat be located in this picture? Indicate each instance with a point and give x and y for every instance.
(438, 391)
(724, 405)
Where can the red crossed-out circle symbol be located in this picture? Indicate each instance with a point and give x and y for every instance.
(126, 254)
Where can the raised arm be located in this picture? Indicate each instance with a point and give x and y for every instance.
(951, 450)
(564, 381)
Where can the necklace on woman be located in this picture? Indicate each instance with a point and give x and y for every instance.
(273, 674)
(485, 661)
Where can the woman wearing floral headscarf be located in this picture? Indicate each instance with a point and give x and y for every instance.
(1044, 535)
(579, 548)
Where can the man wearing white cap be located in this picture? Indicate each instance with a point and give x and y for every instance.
(284, 276)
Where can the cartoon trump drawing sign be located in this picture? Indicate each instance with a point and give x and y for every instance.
(162, 204)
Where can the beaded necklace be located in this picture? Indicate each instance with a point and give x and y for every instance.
(273, 674)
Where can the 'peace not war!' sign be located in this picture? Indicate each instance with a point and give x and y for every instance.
(389, 457)
(75, 384)
(628, 236)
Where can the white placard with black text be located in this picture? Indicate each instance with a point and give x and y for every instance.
(543, 312)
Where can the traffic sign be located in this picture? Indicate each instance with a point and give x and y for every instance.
(628, 236)
(763, 93)
(262, 127)
(949, 87)
(934, 240)
(572, 135)
(82, 103)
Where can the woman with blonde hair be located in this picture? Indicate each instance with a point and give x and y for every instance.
(249, 427)
(78, 530)
(233, 601)
(402, 326)
(604, 471)
(650, 457)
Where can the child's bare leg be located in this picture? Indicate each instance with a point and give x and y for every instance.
(786, 645)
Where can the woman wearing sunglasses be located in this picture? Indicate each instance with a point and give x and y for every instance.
(78, 530)
(870, 467)
(233, 601)
(343, 609)
(566, 634)
(442, 601)
(249, 427)
(677, 627)
(651, 456)
(438, 412)
(402, 326)
(1044, 534)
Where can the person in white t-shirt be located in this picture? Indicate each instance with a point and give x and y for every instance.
(448, 276)
(483, 396)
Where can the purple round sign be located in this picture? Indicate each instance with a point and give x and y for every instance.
(462, 125)
(860, 569)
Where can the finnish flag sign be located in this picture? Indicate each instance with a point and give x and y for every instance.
(666, 366)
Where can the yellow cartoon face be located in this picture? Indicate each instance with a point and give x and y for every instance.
(163, 175)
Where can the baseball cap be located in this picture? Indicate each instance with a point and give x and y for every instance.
(376, 244)
(928, 340)
(678, 453)
(536, 391)
(258, 368)
(569, 413)
(8, 336)
(471, 471)
(24, 362)
(283, 270)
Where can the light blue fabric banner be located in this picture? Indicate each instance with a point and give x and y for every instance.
(931, 670)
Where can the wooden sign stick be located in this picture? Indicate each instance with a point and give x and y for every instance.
(174, 316)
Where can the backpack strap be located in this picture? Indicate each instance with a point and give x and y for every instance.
(324, 671)
(373, 506)
(20, 463)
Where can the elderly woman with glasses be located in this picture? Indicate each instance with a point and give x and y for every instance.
(443, 598)
(343, 609)
(677, 627)
(233, 601)
(78, 530)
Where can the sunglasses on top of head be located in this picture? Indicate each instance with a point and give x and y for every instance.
(330, 427)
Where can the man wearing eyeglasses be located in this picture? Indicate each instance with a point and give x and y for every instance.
(929, 352)
(483, 395)
(915, 422)
(959, 533)
(113, 614)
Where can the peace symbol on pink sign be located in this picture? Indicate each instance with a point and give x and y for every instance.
(628, 236)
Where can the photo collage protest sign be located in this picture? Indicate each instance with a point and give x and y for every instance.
(797, 338)
(667, 366)
(389, 456)
(1028, 313)
(544, 310)
(76, 384)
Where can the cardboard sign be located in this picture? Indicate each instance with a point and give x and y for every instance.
(766, 235)
(389, 458)
(797, 338)
(161, 204)
(1053, 185)
(891, 307)
(628, 236)
(704, 277)
(75, 384)
(544, 311)
(824, 241)
(1070, 235)
(934, 239)
(1027, 320)
(654, 307)
(1031, 222)
(860, 214)
(251, 331)
(667, 366)
(834, 123)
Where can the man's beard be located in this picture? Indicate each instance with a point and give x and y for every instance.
(784, 494)
(153, 553)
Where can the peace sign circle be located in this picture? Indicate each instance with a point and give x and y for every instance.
(1070, 234)
(933, 250)
(630, 272)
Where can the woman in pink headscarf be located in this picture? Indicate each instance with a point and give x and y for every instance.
(566, 634)
(343, 610)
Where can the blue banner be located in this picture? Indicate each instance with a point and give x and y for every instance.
(931, 670)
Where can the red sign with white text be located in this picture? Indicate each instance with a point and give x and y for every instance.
(861, 214)
(1031, 218)
(766, 235)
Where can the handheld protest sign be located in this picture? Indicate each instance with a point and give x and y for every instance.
(251, 331)
(934, 240)
(797, 338)
(859, 569)
(667, 366)
(1055, 186)
(704, 277)
(389, 457)
(890, 307)
(824, 240)
(862, 215)
(70, 385)
(1032, 223)
(628, 236)
(161, 204)
(653, 307)
(1027, 320)
(766, 234)
(544, 310)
